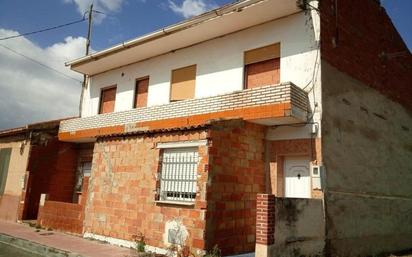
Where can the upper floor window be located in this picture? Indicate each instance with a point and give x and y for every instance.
(140, 92)
(183, 83)
(262, 66)
(107, 100)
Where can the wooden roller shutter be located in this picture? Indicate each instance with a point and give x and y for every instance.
(262, 54)
(183, 83)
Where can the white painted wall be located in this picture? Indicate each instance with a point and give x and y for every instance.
(219, 64)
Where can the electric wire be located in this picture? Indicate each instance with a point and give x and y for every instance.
(39, 63)
(45, 29)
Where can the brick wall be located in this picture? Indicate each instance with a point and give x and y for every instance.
(267, 95)
(237, 174)
(52, 170)
(360, 40)
(63, 216)
(263, 73)
(122, 196)
(265, 219)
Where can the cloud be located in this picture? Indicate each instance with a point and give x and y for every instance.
(105, 6)
(190, 8)
(31, 93)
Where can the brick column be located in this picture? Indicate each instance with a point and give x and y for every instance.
(265, 219)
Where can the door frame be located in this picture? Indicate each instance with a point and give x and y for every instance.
(299, 157)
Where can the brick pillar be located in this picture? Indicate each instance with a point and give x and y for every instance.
(265, 219)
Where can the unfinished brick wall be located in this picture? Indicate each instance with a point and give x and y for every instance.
(237, 175)
(278, 149)
(262, 73)
(123, 184)
(63, 216)
(52, 170)
(359, 39)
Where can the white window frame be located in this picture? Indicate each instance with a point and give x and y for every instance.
(178, 171)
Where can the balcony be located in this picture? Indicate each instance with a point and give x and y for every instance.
(269, 105)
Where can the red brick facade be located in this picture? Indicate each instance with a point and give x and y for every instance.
(359, 39)
(122, 199)
(52, 171)
(262, 73)
(236, 176)
(63, 216)
(265, 219)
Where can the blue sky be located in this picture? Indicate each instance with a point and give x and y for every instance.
(31, 93)
(131, 19)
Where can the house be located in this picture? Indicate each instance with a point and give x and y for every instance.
(275, 126)
(34, 162)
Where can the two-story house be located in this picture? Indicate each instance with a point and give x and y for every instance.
(191, 122)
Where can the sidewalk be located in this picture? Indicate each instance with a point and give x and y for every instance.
(63, 241)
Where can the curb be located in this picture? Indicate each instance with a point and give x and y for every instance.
(35, 248)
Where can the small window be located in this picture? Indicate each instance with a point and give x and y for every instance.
(4, 167)
(262, 66)
(107, 100)
(183, 83)
(140, 93)
(86, 169)
(178, 174)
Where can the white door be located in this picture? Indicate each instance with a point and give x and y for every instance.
(297, 177)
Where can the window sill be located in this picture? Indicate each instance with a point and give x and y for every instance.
(175, 203)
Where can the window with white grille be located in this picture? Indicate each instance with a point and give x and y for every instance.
(178, 174)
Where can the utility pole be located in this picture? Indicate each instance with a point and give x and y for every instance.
(89, 32)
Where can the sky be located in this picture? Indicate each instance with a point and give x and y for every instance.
(30, 93)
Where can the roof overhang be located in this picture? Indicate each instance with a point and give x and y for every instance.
(227, 19)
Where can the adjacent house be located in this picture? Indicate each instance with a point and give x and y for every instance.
(34, 162)
(276, 126)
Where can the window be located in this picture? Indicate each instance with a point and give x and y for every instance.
(183, 83)
(178, 174)
(86, 169)
(140, 93)
(262, 66)
(4, 167)
(107, 100)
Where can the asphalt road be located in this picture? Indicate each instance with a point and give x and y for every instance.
(10, 251)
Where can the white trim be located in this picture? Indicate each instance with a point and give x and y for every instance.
(181, 144)
(175, 203)
(123, 243)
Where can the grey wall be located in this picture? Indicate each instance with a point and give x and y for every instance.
(299, 228)
(367, 153)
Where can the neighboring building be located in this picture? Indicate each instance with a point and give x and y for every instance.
(34, 162)
(191, 123)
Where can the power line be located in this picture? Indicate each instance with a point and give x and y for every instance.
(39, 63)
(45, 29)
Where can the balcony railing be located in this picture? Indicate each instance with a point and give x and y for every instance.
(268, 102)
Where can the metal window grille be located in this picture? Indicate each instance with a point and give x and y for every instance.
(179, 174)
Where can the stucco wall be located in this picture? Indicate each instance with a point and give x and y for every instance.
(299, 228)
(367, 152)
(219, 64)
(17, 169)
